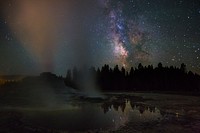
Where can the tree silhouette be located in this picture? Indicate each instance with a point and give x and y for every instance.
(143, 78)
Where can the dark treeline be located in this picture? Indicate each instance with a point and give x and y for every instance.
(142, 78)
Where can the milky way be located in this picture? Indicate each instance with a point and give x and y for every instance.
(55, 35)
(117, 37)
(127, 37)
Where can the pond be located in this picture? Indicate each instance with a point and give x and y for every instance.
(116, 113)
(91, 116)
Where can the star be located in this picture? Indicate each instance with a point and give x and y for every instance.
(57, 35)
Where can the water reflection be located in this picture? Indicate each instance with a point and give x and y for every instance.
(108, 115)
(130, 110)
(126, 103)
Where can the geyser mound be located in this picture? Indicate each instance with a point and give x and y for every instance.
(46, 90)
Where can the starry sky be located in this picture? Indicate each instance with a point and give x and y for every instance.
(55, 35)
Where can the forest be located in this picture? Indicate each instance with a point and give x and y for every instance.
(142, 78)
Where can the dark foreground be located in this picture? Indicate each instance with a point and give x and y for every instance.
(118, 113)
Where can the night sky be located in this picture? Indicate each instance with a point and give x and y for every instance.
(55, 35)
